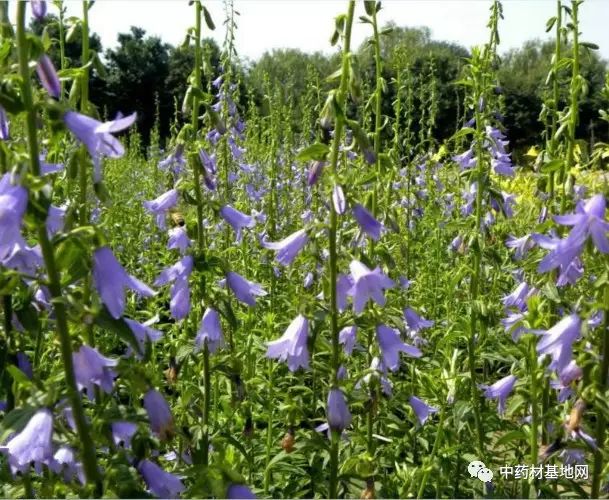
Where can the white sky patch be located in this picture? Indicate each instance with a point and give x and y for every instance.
(308, 24)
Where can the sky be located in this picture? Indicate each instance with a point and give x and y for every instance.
(308, 24)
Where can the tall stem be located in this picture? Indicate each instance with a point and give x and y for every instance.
(603, 384)
(332, 261)
(61, 322)
(575, 89)
(200, 235)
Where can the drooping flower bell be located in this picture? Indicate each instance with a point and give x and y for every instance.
(237, 220)
(557, 342)
(4, 127)
(160, 483)
(421, 409)
(245, 290)
(391, 345)
(97, 136)
(368, 285)
(123, 432)
(143, 332)
(500, 390)
(91, 368)
(178, 239)
(288, 248)
(347, 337)
(178, 275)
(39, 9)
(111, 279)
(13, 200)
(48, 76)
(367, 222)
(159, 414)
(210, 332)
(588, 221)
(291, 347)
(339, 417)
(239, 492)
(415, 322)
(159, 206)
(33, 444)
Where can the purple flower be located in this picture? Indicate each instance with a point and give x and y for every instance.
(347, 337)
(48, 76)
(178, 274)
(245, 291)
(39, 9)
(237, 220)
(367, 285)
(292, 345)
(518, 298)
(513, 323)
(122, 432)
(13, 200)
(111, 280)
(339, 417)
(4, 128)
(159, 414)
(32, 444)
(91, 368)
(416, 322)
(159, 206)
(338, 199)
(557, 342)
(455, 244)
(143, 332)
(314, 172)
(344, 284)
(24, 259)
(210, 332)
(465, 160)
(239, 492)
(97, 136)
(55, 219)
(391, 345)
(421, 409)
(64, 462)
(178, 239)
(160, 483)
(500, 390)
(563, 254)
(502, 165)
(24, 364)
(308, 280)
(288, 248)
(588, 221)
(521, 245)
(367, 222)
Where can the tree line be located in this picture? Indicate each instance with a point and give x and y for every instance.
(144, 74)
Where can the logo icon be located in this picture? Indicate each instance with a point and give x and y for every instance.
(479, 470)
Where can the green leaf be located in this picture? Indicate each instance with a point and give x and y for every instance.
(552, 166)
(208, 19)
(317, 151)
(589, 45)
(550, 24)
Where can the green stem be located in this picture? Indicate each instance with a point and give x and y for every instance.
(575, 90)
(54, 284)
(200, 236)
(474, 285)
(601, 422)
(534, 402)
(434, 451)
(332, 261)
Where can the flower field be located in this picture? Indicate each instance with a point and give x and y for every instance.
(318, 298)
